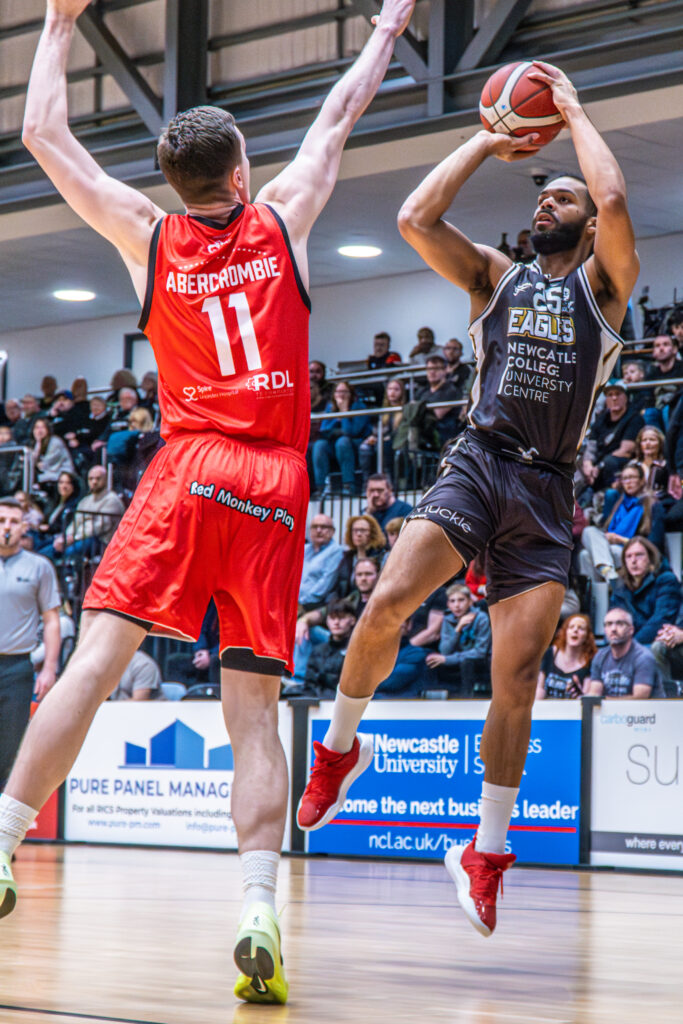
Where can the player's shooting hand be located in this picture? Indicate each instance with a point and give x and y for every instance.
(564, 93)
(395, 15)
(67, 8)
(434, 660)
(510, 147)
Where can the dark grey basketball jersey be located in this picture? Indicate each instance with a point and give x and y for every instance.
(543, 350)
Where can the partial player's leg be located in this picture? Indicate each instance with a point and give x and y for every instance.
(523, 628)
(58, 729)
(259, 809)
(422, 560)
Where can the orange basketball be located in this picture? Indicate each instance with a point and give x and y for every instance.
(514, 104)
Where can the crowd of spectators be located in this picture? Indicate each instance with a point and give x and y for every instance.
(623, 612)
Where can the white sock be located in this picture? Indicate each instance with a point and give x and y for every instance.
(346, 715)
(259, 877)
(15, 820)
(497, 805)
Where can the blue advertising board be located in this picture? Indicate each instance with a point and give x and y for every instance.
(421, 793)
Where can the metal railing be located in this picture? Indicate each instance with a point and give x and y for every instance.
(27, 468)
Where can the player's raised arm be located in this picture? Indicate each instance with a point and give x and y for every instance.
(301, 190)
(121, 214)
(476, 268)
(613, 269)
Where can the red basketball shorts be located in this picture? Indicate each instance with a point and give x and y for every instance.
(213, 517)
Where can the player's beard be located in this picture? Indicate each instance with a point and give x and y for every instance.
(559, 239)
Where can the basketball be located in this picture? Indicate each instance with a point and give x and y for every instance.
(514, 104)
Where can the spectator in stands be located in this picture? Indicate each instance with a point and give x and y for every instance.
(79, 389)
(381, 501)
(68, 490)
(67, 417)
(121, 379)
(566, 664)
(317, 374)
(381, 354)
(391, 532)
(95, 519)
(676, 326)
(611, 439)
(464, 657)
(326, 660)
(409, 676)
(633, 512)
(31, 510)
(425, 628)
(127, 400)
(439, 388)
(97, 422)
(633, 372)
(322, 557)
(148, 441)
(13, 415)
(364, 538)
(340, 439)
(50, 455)
(48, 387)
(203, 665)
(11, 462)
(30, 411)
(667, 651)
(475, 578)
(624, 669)
(150, 398)
(524, 251)
(140, 681)
(646, 589)
(425, 347)
(666, 365)
(650, 454)
(456, 371)
(394, 395)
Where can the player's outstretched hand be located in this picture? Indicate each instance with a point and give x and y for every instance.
(395, 15)
(510, 147)
(67, 8)
(564, 93)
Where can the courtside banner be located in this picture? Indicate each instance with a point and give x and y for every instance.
(157, 774)
(637, 784)
(421, 793)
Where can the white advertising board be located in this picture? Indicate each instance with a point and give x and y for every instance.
(637, 784)
(158, 774)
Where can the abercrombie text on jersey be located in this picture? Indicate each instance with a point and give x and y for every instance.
(227, 315)
(543, 350)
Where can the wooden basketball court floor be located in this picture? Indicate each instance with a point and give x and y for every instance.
(141, 935)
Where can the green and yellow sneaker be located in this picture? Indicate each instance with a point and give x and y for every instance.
(258, 958)
(8, 888)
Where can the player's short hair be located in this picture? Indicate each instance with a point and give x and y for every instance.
(459, 588)
(591, 208)
(197, 150)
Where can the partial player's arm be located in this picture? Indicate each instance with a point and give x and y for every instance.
(613, 268)
(302, 189)
(121, 214)
(476, 268)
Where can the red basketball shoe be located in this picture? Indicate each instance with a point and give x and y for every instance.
(477, 876)
(331, 776)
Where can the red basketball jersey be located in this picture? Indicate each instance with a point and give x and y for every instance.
(227, 315)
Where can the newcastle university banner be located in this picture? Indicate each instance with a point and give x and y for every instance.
(421, 793)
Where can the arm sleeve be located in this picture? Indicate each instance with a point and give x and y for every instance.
(646, 670)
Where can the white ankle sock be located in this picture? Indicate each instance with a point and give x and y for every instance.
(497, 805)
(259, 877)
(346, 715)
(15, 820)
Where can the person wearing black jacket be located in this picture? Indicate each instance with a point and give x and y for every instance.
(326, 660)
(69, 492)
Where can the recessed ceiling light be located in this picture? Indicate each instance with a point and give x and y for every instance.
(74, 295)
(359, 252)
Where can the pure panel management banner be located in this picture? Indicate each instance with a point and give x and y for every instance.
(637, 784)
(157, 774)
(421, 793)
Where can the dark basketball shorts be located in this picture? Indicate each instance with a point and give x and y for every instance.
(213, 517)
(520, 514)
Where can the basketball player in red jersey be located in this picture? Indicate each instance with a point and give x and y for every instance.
(221, 511)
(545, 338)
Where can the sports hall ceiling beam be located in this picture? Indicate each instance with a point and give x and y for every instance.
(411, 52)
(185, 70)
(451, 27)
(494, 34)
(117, 63)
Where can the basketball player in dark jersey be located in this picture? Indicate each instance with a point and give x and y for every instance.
(221, 510)
(545, 339)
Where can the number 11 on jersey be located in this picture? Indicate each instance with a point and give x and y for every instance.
(237, 301)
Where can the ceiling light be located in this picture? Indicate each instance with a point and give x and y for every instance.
(74, 295)
(359, 252)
